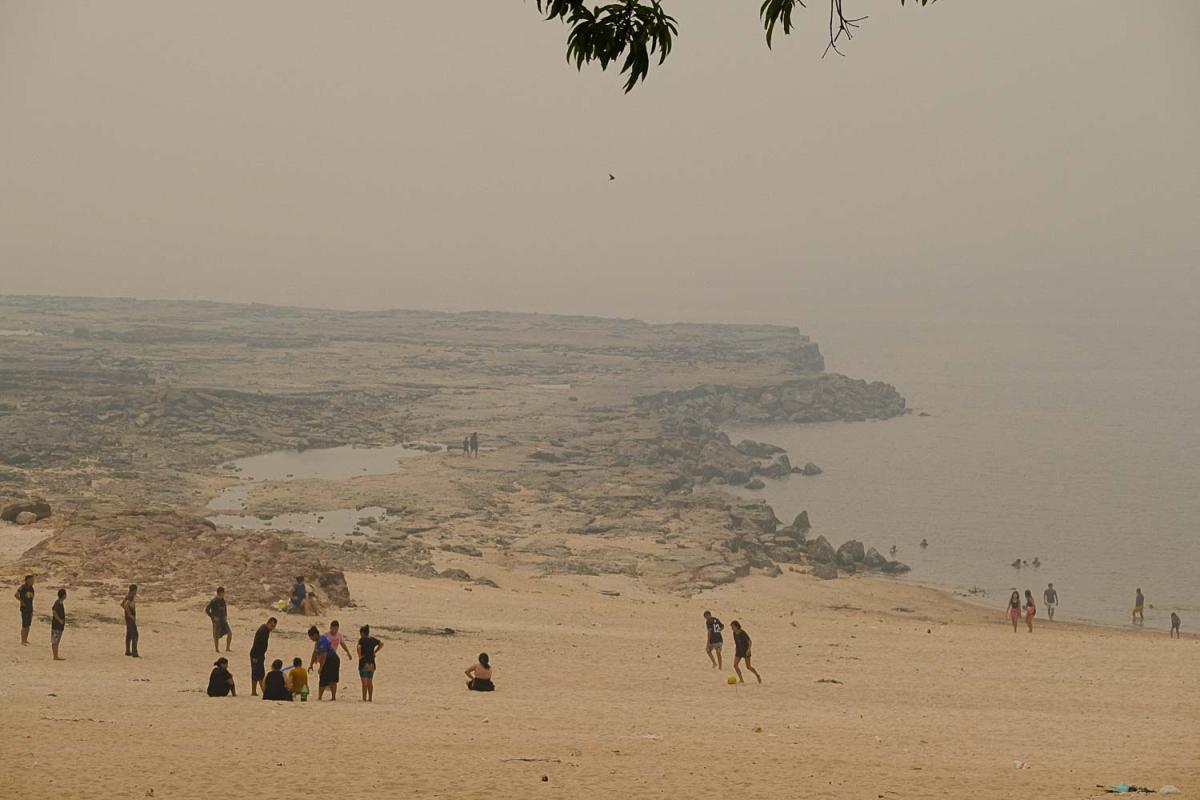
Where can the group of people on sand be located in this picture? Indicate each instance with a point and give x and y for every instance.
(471, 446)
(714, 641)
(1028, 610)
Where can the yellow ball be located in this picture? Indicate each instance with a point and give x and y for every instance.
(731, 680)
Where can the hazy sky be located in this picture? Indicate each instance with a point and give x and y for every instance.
(971, 157)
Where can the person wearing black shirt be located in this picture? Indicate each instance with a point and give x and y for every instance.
(58, 623)
(274, 686)
(220, 680)
(714, 641)
(129, 606)
(218, 612)
(24, 597)
(741, 643)
(368, 646)
(258, 654)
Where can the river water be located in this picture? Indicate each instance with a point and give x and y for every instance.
(1077, 443)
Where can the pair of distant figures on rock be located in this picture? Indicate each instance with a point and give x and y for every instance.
(471, 446)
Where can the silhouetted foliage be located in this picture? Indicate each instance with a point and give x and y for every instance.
(636, 31)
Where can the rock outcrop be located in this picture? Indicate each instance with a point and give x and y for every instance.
(173, 557)
(36, 506)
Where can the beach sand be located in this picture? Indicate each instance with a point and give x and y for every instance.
(610, 696)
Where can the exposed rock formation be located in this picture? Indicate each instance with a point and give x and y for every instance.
(172, 557)
(36, 506)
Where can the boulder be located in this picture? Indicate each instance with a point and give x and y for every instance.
(455, 574)
(465, 549)
(826, 571)
(737, 477)
(749, 447)
(780, 468)
(896, 568)
(33, 505)
(851, 553)
(820, 551)
(756, 483)
(874, 559)
(26, 518)
(810, 469)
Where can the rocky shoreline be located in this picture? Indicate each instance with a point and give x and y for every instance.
(603, 452)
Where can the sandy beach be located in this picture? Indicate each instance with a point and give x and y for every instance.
(873, 689)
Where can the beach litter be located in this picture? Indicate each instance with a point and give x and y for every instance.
(1128, 788)
(1022, 765)
(1170, 789)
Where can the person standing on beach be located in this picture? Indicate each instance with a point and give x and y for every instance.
(368, 646)
(1175, 623)
(467, 446)
(129, 606)
(1014, 608)
(1030, 610)
(258, 654)
(1139, 605)
(741, 651)
(475, 445)
(218, 612)
(1051, 598)
(58, 623)
(24, 597)
(325, 656)
(713, 641)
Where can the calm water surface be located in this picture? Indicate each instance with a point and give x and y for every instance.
(1076, 443)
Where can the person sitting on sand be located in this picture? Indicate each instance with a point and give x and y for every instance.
(1030, 610)
(713, 641)
(1175, 623)
(303, 601)
(220, 680)
(479, 675)
(1139, 605)
(274, 685)
(1050, 596)
(368, 647)
(297, 679)
(741, 651)
(1014, 608)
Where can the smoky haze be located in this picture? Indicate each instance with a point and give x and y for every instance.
(1014, 158)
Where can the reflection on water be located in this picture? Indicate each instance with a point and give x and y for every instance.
(333, 464)
(334, 525)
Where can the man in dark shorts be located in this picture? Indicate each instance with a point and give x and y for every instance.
(24, 596)
(475, 445)
(58, 623)
(258, 655)
(1176, 622)
(714, 640)
(1051, 598)
(129, 606)
(218, 612)
(741, 642)
(1139, 608)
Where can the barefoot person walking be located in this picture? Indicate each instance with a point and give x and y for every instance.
(1014, 608)
(741, 651)
(218, 612)
(1139, 608)
(1050, 596)
(368, 647)
(129, 606)
(325, 654)
(713, 642)
(24, 597)
(58, 623)
(1030, 610)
